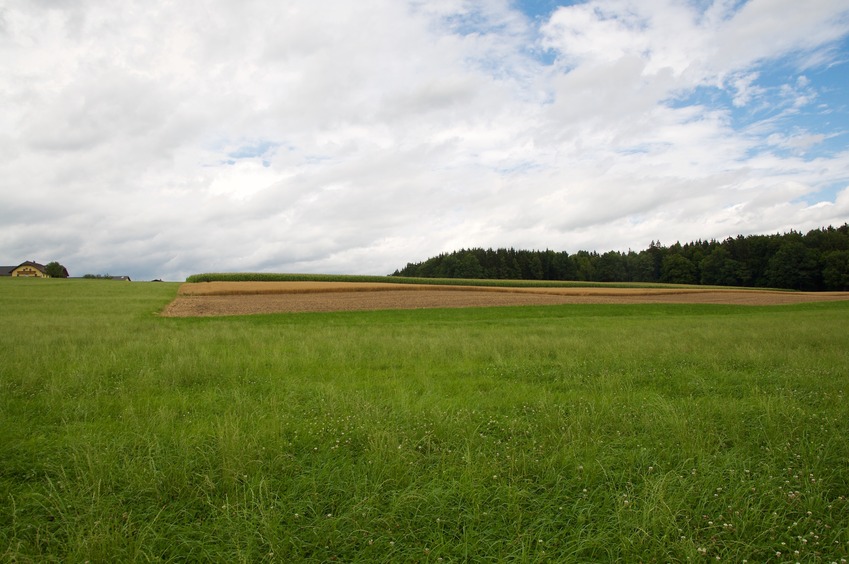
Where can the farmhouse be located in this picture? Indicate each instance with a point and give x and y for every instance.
(27, 269)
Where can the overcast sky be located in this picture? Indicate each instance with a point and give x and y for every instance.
(158, 139)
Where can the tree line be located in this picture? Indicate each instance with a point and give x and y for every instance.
(814, 261)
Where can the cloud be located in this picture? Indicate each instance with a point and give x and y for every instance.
(157, 139)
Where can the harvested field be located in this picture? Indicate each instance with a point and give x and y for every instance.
(247, 298)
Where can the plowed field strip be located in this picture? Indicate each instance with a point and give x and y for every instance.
(246, 298)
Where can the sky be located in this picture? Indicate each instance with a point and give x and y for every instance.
(159, 139)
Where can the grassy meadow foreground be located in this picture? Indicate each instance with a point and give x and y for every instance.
(565, 433)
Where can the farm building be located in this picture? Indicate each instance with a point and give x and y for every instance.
(27, 269)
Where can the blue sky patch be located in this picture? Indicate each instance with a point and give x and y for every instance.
(540, 9)
(255, 150)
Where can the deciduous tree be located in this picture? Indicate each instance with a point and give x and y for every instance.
(55, 270)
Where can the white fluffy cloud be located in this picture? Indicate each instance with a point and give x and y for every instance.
(161, 139)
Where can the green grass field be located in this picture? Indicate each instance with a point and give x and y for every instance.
(563, 433)
(490, 282)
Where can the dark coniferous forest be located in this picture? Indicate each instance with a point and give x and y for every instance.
(817, 260)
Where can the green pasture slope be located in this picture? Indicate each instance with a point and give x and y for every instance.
(492, 282)
(566, 433)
